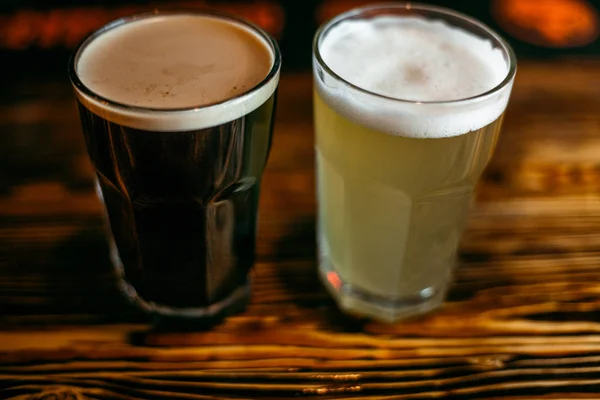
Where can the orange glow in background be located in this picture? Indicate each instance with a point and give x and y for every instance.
(549, 23)
(67, 27)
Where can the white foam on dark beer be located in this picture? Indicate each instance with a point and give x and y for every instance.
(417, 60)
(172, 62)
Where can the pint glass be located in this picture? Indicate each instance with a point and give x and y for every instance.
(177, 112)
(408, 103)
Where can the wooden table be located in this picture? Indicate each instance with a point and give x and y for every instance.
(522, 321)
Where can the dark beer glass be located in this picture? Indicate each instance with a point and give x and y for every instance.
(181, 187)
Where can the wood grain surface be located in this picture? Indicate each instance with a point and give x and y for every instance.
(522, 320)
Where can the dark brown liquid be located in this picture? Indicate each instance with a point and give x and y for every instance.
(182, 206)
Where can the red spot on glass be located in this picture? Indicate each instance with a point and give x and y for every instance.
(334, 279)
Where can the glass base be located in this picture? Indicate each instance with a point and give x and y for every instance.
(232, 304)
(357, 302)
(167, 315)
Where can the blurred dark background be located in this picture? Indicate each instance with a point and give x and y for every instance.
(36, 37)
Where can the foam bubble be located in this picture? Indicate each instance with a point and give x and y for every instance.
(161, 64)
(414, 59)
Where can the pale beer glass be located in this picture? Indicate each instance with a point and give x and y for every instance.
(408, 103)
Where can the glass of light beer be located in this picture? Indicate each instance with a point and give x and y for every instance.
(177, 111)
(408, 103)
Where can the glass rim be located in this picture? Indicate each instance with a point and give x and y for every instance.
(80, 86)
(441, 11)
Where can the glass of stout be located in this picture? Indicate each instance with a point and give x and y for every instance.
(177, 111)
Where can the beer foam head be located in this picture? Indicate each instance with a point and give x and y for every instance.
(426, 65)
(170, 62)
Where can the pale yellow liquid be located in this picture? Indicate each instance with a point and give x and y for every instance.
(391, 209)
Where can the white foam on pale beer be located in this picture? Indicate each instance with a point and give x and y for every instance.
(171, 62)
(417, 60)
